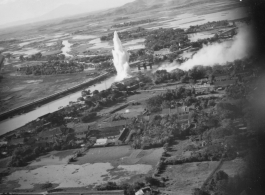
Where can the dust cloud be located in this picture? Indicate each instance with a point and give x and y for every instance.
(242, 46)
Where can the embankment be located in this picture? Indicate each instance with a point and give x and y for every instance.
(47, 99)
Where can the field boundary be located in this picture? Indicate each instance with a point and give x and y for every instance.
(212, 173)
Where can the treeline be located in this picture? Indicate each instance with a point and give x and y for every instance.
(29, 152)
(196, 73)
(131, 189)
(166, 38)
(199, 72)
(132, 23)
(53, 67)
(97, 59)
(121, 18)
(39, 57)
(132, 34)
(101, 62)
(200, 42)
(207, 26)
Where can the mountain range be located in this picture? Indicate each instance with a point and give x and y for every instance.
(70, 10)
(141, 5)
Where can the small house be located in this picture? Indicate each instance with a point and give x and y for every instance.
(101, 142)
(144, 191)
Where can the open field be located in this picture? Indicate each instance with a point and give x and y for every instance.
(53, 158)
(184, 178)
(131, 111)
(20, 90)
(98, 165)
(233, 167)
(75, 175)
(121, 155)
(113, 155)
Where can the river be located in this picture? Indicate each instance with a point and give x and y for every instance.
(20, 120)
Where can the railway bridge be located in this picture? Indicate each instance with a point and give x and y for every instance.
(228, 33)
(141, 64)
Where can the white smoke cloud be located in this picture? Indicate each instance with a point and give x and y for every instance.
(168, 67)
(243, 45)
(120, 59)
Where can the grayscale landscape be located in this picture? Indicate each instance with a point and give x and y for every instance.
(148, 97)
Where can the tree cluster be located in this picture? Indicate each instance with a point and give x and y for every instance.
(132, 34)
(132, 23)
(166, 38)
(208, 25)
(54, 67)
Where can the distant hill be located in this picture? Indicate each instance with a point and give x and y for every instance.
(142, 5)
(74, 11)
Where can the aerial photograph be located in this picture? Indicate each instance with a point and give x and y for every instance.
(132, 97)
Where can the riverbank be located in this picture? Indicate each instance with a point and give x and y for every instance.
(19, 90)
(51, 97)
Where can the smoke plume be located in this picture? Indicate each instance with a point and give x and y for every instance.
(243, 45)
(120, 59)
(168, 67)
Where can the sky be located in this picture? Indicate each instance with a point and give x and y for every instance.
(14, 11)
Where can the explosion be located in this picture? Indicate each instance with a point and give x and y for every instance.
(120, 59)
(241, 47)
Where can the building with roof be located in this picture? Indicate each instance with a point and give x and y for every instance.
(123, 135)
(144, 191)
(101, 142)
